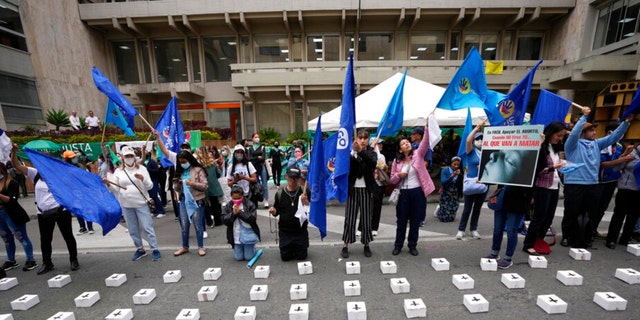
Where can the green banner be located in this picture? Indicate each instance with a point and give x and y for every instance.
(194, 138)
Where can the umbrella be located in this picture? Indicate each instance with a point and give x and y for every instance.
(42, 145)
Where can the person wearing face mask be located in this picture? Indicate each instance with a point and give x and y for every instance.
(225, 153)
(276, 156)
(257, 154)
(241, 171)
(626, 203)
(154, 174)
(472, 202)
(70, 157)
(13, 223)
(240, 216)
(135, 182)
(190, 181)
(299, 161)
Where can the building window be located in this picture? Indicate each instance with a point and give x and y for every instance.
(323, 48)
(11, 32)
(617, 20)
(126, 65)
(14, 90)
(146, 65)
(529, 47)
(428, 46)
(274, 115)
(219, 54)
(195, 60)
(454, 52)
(22, 115)
(271, 48)
(507, 43)
(485, 43)
(375, 46)
(171, 60)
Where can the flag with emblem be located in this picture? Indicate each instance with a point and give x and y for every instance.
(468, 87)
(170, 129)
(115, 117)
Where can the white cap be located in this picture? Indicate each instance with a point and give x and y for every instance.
(127, 151)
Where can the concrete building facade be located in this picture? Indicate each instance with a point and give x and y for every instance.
(250, 65)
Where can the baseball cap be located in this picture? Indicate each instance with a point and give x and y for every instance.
(68, 154)
(477, 135)
(418, 130)
(293, 172)
(127, 151)
(238, 147)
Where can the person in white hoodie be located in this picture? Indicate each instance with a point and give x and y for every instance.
(133, 183)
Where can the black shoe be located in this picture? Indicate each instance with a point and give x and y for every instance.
(29, 265)
(345, 252)
(531, 252)
(367, 251)
(610, 245)
(75, 265)
(413, 251)
(396, 251)
(46, 267)
(564, 242)
(8, 265)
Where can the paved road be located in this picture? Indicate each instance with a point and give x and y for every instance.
(102, 256)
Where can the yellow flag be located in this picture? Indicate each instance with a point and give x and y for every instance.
(493, 67)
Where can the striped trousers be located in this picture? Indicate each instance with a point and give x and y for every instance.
(359, 200)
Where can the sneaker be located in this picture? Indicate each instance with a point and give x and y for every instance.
(156, 255)
(374, 233)
(160, 216)
(505, 264)
(358, 233)
(82, 231)
(8, 265)
(266, 204)
(138, 254)
(493, 256)
(345, 252)
(91, 232)
(476, 235)
(459, 235)
(205, 235)
(29, 265)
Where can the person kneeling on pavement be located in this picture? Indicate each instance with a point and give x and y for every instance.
(240, 216)
(290, 203)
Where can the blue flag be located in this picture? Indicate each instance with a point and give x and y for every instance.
(491, 107)
(317, 177)
(394, 115)
(550, 107)
(345, 136)
(105, 86)
(514, 106)
(468, 127)
(79, 191)
(329, 146)
(170, 128)
(114, 116)
(634, 107)
(468, 87)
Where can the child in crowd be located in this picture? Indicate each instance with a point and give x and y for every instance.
(243, 232)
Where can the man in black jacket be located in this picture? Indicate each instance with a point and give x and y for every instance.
(294, 237)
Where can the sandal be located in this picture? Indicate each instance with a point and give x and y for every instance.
(531, 252)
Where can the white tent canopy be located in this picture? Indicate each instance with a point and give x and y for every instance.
(420, 99)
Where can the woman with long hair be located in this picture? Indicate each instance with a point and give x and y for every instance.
(257, 156)
(411, 176)
(545, 185)
(214, 190)
(241, 171)
(13, 222)
(190, 181)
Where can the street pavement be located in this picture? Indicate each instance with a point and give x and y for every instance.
(101, 256)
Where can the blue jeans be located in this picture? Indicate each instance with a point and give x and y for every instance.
(153, 194)
(473, 201)
(244, 251)
(185, 224)
(264, 182)
(410, 209)
(8, 230)
(140, 217)
(511, 221)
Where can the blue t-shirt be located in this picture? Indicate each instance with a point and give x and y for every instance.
(472, 163)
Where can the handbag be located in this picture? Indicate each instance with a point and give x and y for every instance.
(496, 199)
(395, 195)
(256, 192)
(470, 186)
(150, 203)
(247, 235)
(382, 176)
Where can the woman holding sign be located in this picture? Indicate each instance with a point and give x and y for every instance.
(473, 199)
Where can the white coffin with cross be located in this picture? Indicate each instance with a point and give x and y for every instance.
(212, 274)
(351, 288)
(298, 291)
(299, 311)
(388, 267)
(261, 272)
(87, 299)
(610, 301)
(8, 283)
(569, 277)
(305, 267)
(115, 280)
(188, 314)
(551, 304)
(415, 308)
(245, 313)
(172, 276)
(462, 281)
(634, 249)
(59, 281)
(25, 302)
(399, 285)
(207, 293)
(356, 310)
(513, 280)
(353, 267)
(476, 303)
(538, 262)
(6, 316)
(144, 296)
(488, 264)
(580, 254)
(259, 292)
(440, 264)
(120, 314)
(630, 276)
(62, 315)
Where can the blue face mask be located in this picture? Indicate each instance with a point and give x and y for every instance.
(185, 165)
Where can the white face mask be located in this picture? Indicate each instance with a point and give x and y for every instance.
(129, 161)
(478, 144)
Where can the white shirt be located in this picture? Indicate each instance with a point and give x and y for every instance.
(244, 170)
(44, 199)
(131, 197)
(92, 121)
(75, 122)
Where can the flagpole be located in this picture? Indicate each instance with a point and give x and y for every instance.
(104, 129)
(576, 105)
(145, 121)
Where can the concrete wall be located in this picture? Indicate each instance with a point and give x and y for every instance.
(63, 50)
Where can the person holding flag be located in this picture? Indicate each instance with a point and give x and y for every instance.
(472, 199)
